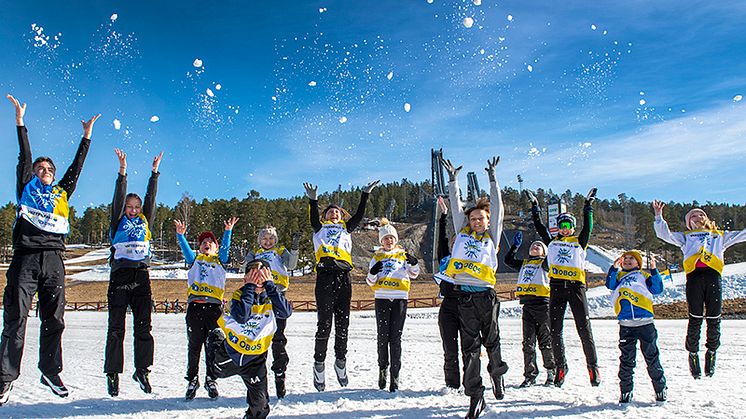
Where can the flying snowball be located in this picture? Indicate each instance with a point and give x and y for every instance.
(407, 107)
(209, 92)
(737, 98)
(154, 118)
(342, 120)
(390, 75)
(430, 1)
(594, 27)
(117, 124)
(477, 2)
(218, 86)
(312, 83)
(468, 22)
(510, 18)
(530, 68)
(114, 17)
(322, 9)
(197, 63)
(642, 102)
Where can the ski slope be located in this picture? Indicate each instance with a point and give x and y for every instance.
(423, 394)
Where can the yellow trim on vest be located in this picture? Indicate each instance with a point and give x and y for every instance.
(244, 345)
(709, 259)
(202, 289)
(477, 270)
(634, 298)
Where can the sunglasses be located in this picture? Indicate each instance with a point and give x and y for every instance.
(565, 225)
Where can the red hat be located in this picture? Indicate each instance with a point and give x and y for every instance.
(206, 235)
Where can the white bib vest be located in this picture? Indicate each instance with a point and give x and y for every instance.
(633, 288)
(131, 241)
(45, 207)
(393, 280)
(333, 240)
(566, 259)
(274, 257)
(206, 279)
(473, 259)
(704, 245)
(253, 337)
(532, 279)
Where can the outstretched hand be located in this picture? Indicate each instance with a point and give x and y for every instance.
(122, 156)
(442, 205)
(295, 242)
(491, 164)
(451, 169)
(88, 126)
(310, 190)
(180, 227)
(157, 162)
(229, 223)
(369, 187)
(658, 208)
(518, 239)
(20, 109)
(618, 262)
(532, 198)
(591, 196)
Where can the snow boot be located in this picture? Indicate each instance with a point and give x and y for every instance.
(626, 397)
(340, 367)
(112, 384)
(280, 385)
(709, 363)
(141, 376)
(550, 378)
(382, 378)
(55, 384)
(594, 375)
(694, 365)
(498, 387)
(394, 385)
(559, 375)
(476, 406)
(319, 380)
(5, 391)
(192, 388)
(661, 396)
(528, 382)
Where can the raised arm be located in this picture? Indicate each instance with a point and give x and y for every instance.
(120, 192)
(443, 248)
(290, 257)
(355, 220)
(497, 210)
(585, 233)
(225, 245)
(313, 206)
(661, 227)
(510, 258)
(541, 229)
(149, 206)
(457, 210)
(186, 250)
(70, 180)
(733, 237)
(24, 170)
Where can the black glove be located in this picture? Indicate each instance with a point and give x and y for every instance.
(295, 243)
(375, 269)
(591, 196)
(410, 259)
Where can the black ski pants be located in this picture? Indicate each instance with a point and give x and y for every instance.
(201, 319)
(390, 317)
(448, 322)
(478, 314)
(648, 336)
(573, 293)
(536, 327)
(704, 296)
(253, 374)
(41, 272)
(280, 356)
(333, 296)
(129, 287)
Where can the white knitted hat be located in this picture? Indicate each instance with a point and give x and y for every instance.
(386, 229)
(266, 230)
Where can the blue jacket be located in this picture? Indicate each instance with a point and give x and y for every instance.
(630, 312)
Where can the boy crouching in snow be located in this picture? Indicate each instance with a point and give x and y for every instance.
(632, 292)
(245, 334)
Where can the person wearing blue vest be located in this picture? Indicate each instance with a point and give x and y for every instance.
(448, 318)
(532, 291)
(239, 345)
(332, 243)
(281, 261)
(472, 266)
(129, 280)
(632, 291)
(206, 281)
(38, 244)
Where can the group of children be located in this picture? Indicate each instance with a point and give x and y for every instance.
(237, 336)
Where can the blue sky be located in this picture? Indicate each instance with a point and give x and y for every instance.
(637, 97)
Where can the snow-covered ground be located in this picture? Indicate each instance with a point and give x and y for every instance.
(422, 395)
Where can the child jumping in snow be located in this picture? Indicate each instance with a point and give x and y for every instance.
(703, 246)
(281, 260)
(533, 293)
(389, 274)
(206, 280)
(332, 244)
(129, 281)
(632, 292)
(239, 346)
(566, 259)
(472, 266)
